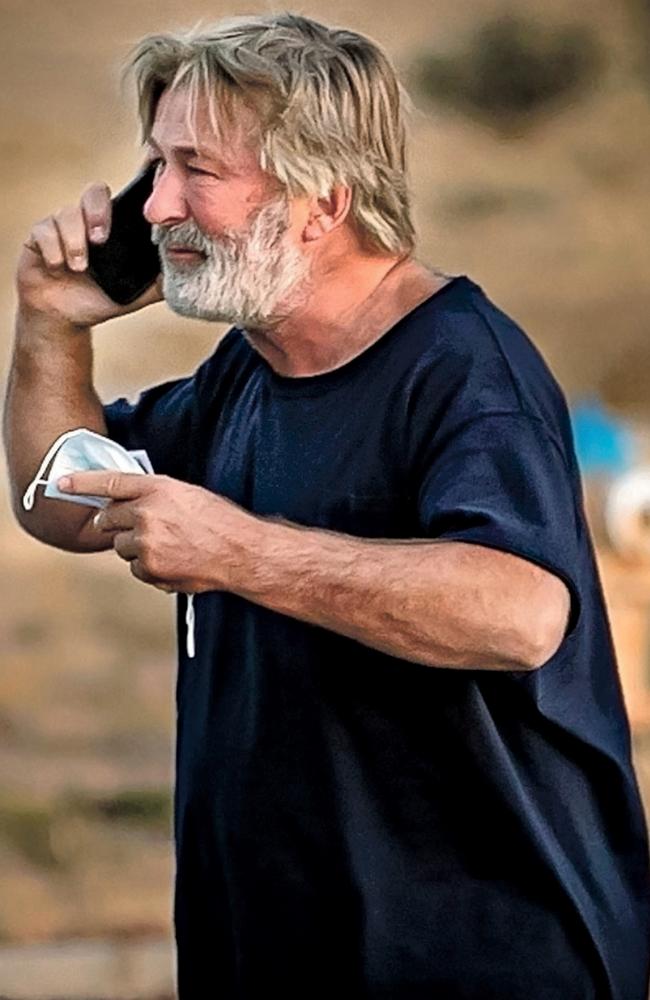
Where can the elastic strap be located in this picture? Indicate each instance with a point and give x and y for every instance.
(30, 492)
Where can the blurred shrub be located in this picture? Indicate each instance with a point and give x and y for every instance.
(479, 202)
(512, 71)
(639, 11)
(39, 831)
(27, 827)
(145, 807)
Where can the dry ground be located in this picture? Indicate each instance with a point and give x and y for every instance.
(553, 226)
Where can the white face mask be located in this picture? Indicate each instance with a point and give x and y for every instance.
(79, 451)
(82, 450)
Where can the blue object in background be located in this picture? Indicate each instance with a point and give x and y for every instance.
(603, 443)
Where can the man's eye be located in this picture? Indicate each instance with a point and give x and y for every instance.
(159, 162)
(197, 170)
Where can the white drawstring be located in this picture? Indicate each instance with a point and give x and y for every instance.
(30, 492)
(189, 622)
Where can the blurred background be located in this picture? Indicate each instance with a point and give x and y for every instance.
(529, 172)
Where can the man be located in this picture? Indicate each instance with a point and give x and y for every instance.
(403, 761)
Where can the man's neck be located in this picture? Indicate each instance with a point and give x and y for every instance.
(346, 311)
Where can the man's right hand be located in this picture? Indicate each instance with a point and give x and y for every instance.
(51, 276)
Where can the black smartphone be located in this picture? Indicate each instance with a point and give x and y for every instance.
(127, 263)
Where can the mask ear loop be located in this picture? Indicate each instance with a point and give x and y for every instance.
(30, 492)
(189, 622)
(28, 503)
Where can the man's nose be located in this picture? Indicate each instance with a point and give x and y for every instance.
(166, 204)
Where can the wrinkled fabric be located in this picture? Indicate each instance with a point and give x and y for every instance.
(349, 823)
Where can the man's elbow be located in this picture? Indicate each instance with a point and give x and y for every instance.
(547, 633)
(68, 527)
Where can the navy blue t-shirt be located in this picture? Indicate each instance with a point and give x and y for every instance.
(352, 824)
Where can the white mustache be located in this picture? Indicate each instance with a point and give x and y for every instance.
(188, 235)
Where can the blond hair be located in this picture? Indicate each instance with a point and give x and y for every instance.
(330, 107)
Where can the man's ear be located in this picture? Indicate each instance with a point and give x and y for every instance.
(326, 214)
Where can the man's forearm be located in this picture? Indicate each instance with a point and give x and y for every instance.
(49, 390)
(436, 603)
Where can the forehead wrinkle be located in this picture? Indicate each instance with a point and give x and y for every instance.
(187, 149)
(188, 125)
(180, 147)
(174, 117)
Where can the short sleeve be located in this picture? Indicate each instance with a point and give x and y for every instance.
(161, 421)
(500, 480)
(166, 419)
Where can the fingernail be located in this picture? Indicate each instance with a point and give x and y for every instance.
(97, 233)
(64, 484)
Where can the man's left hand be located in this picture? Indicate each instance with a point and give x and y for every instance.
(176, 536)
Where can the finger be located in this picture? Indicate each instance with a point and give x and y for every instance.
(72, 231)
(105, 483)
(118, 516)
(138, 572)
(97, 211)
(141, 574)
(125, 545)
(45, 240)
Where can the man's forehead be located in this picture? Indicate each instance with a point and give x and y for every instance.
(174, 127)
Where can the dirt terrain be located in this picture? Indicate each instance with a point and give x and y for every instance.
(552, 224)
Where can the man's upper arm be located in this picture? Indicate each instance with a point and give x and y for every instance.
(165, 419)
(161, 420)
(499, 480)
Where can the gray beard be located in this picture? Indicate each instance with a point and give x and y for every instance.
(252, 279)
